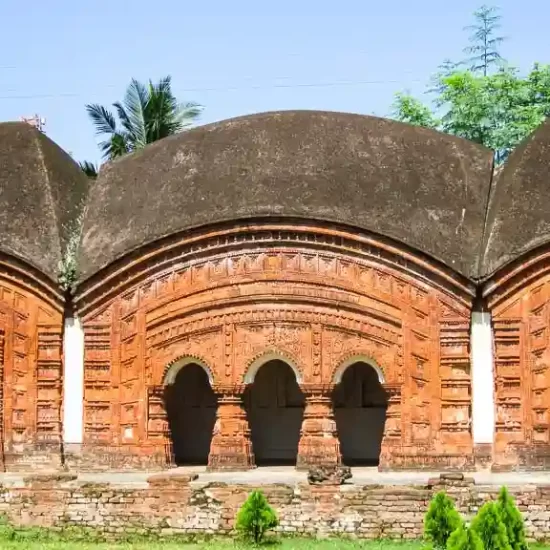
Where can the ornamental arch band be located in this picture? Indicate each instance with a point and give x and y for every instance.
(301, 299)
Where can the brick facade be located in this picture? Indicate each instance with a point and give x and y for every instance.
(318, 299)
(170, 507)
(31, 346)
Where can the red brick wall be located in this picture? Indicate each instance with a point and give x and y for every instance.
(164, 509)
(315, 296)
(31, 331)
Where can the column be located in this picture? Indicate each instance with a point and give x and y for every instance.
(483, 399)
(231, 447)
(392, 439)
(319, 444)
(73, 382)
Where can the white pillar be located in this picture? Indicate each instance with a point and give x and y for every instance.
(483, 398)
(73, 382)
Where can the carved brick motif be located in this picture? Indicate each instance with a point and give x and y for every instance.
(521, 318)
(31, 373)
(315, 305)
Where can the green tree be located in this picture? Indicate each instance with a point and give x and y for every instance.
(256, 517)
(489, 526)
(497, 109)
(512, 519)
(146, 114)
(441, 520)
(484, 43)
(464, 538)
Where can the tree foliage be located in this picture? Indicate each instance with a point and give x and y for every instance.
(484, 43)
(512, 519)
(441, 520)
(464, 538)
(489, 526)
(146, 114)
(256, 517)
(496, 109)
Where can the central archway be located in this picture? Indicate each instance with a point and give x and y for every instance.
(360, 406)
(191, 410)
(275, 408)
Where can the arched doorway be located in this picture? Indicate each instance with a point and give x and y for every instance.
(191, 409)
(275, 408)
(360, 405)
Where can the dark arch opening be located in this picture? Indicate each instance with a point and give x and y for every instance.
(191, 409)
(360, 407)
(275, 407)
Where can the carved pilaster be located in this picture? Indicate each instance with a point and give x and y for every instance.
(1, 400)
(231, 447)
(392, 430)
(319, 444)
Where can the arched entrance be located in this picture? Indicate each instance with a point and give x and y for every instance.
(360, 405)
(191, 410)
(275, 408)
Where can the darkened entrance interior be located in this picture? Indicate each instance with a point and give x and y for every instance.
(191, 409)
(360, 405)
(275, 407)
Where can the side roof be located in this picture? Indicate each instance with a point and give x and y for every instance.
(518, 216)
(423, 188)
(41, 192)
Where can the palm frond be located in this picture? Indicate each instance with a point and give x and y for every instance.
(103, 120)
(89, 168)
(135, 108)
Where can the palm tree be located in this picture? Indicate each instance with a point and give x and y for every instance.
(147, 113)
(89, 169)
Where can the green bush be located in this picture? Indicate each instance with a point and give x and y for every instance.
(441, 520)
(489, 526)
(256, 517)
(464, 538)
(512, 519)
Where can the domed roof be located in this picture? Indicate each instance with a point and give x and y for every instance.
(41, 189)
(518, 217)
(423, 188)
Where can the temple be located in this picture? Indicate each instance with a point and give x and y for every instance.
(299, 288)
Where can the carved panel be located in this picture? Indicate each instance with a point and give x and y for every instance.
(30, 372)
(314, 303)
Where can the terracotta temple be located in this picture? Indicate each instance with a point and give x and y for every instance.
(301, 288)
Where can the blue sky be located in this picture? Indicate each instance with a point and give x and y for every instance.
(236, 57)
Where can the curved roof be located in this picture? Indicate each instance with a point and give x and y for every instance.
(41, 189)
(518, 217)
(423, 188)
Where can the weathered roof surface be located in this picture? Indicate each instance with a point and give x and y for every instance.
(41, 190)
(518, 217)
(423, 188)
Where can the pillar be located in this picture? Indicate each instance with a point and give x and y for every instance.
(73, 383)
(319, 444)
(483, 381)
(393, 429)
(231, 447)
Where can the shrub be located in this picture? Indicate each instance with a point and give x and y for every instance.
(256, 517)
(464, 538)
(512, 519)
(441, 520)
(489, 526)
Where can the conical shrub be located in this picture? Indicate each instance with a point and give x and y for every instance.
(256, 517)
(464, 538)
(512, 519)
(489, 526)
(441, 520)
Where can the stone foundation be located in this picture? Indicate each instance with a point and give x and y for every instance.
(172, 504)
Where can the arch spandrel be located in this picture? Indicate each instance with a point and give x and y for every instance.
(173, 369)
(354, 359)
(260, 360)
